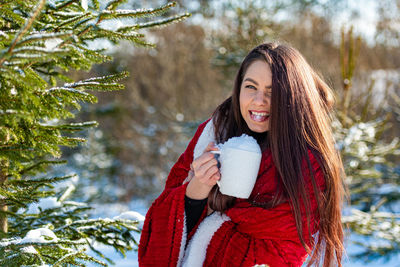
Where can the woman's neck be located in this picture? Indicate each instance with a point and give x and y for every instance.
(262, 139)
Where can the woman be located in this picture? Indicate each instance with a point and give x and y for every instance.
(294, 210)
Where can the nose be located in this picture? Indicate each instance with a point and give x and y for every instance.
(261, 98)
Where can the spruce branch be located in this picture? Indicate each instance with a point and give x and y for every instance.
(68, 15)
(78, 254)
(162, 22)
(86, 16)
(98, 253)
(99, 33)
(39, 50)
(12, 112)
(25, 29)
(96, 4)
(67, 91)
(3, 35)
(101, 86)
(41, 181)
(96, 55)
(108, 78)
(111, 14)
(9, 15)
(71, 126)
(112, 5)
(15, 245)
(5, 2)
(65, 4)
(36, 37)
(41, 164)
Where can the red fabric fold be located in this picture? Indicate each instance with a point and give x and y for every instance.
(258, 235)
(277, 222)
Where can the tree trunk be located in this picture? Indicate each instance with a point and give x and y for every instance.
(3, 206)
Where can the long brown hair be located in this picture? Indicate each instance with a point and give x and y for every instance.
(300, 121)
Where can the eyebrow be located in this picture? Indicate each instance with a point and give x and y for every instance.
(256, 83)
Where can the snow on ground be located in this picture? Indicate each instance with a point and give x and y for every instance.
(140, 206)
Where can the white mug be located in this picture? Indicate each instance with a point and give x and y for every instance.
(239, 169)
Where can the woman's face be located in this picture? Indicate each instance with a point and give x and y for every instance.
(255, 96)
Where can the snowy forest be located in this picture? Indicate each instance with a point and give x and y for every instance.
(99, 98)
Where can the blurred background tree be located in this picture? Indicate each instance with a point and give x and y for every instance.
(371, 159)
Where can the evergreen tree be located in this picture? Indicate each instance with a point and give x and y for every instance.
(39, 43)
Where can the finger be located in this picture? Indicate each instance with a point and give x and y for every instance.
(213, 170)
(213, 176)
(202, 170)
(205, 157)
(216, 176)
(211, 147)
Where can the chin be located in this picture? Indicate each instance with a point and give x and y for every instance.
(259, 129)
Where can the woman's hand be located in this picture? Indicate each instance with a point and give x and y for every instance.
(204, 174)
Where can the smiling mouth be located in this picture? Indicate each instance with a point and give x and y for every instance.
(259, 116)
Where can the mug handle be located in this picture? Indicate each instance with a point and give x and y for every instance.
(218, 152)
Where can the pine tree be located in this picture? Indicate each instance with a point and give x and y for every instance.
(370, 163)
(40, 42)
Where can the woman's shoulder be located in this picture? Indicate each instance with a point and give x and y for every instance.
(202, 126)
(200, 129)
(203, 136)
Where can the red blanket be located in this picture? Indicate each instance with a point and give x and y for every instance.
(253, 235)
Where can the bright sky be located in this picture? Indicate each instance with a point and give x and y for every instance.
(362, 15)
(364, 22)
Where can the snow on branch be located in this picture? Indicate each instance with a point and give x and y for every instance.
(65, 88)
(38, 36)
(11, 111)
(162, 22)
(107, 78)
(95, 86)
(71, 126)
(25, 29)
(38, 49)
(142, 12)
(40, 235)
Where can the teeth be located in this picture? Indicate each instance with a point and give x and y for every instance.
(259, 113)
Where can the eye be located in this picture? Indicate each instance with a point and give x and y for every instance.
(250, 86)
